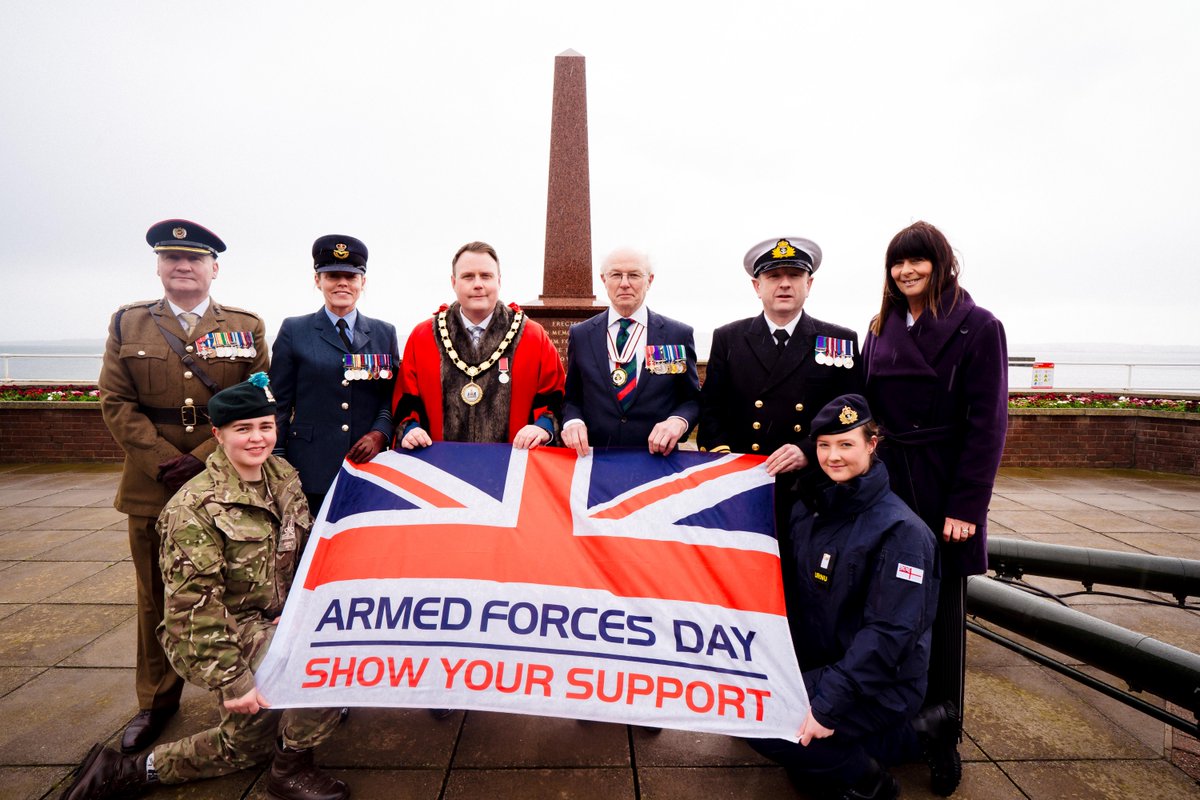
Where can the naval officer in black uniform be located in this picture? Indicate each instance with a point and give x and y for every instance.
(769, 374)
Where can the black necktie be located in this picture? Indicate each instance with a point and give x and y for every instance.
(341, 326)
(781, 336)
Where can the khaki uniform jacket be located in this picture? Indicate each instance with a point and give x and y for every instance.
(228, 560)
(140, 370)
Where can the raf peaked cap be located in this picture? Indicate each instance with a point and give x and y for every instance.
(841, 414)
(338, 253)
(249, 399)
(182, 234)
(789, 251)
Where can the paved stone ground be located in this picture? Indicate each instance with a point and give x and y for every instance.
(66, 678)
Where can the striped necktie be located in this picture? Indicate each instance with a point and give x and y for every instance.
(625, 393)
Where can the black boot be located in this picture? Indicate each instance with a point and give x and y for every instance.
(938, 728)
(293, 776)
(875, 784)
(107, 774)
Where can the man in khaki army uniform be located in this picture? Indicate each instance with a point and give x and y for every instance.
(163, 361)
(231, 542)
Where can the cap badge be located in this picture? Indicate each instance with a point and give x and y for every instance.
(848, 416)
(340, 251)
(179, 233)
(783, 250)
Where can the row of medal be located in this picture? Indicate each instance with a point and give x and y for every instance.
(226, 344)
(666, 359)
(835, 352)
(368, 366)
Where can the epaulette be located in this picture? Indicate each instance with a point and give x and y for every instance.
(236, 310)
(121, 312)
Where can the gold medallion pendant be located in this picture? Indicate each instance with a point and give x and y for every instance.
(619, 377)
(472, 393)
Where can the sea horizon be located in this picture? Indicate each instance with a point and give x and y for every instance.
(1077, 365)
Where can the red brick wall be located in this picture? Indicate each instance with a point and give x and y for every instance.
(43, 432)
(1156, 441)
(37, 432)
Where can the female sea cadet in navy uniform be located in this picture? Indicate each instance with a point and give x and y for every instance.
(937, 379)
(863, 605)
(333, 373)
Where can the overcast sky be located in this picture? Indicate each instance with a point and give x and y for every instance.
(1057, 144)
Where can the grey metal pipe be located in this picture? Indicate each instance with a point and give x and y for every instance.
(1143, 662)
(1179, 577)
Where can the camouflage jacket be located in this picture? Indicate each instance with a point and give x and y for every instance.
(228, 558)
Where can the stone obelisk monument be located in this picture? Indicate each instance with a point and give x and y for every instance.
(567, 295)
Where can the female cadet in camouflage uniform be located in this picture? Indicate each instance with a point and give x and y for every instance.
(231, 539)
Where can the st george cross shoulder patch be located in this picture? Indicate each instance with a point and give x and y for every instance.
(910, 573)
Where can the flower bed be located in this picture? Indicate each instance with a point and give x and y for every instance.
(1049, 400)
(59, 394)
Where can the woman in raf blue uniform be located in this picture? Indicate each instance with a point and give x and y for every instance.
(333, 373)
(937, 378)
(865, 594)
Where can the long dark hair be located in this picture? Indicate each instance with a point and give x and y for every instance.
(918, 241)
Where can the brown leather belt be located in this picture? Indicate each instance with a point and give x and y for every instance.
(183, 415)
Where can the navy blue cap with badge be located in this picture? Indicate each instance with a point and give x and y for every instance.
(840, 415)
(183, 235)
(788, 251)
(339, 253)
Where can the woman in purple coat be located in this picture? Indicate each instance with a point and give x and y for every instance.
(937, 380)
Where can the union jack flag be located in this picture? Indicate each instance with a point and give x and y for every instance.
(620, 587)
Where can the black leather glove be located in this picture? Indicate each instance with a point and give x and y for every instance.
(179, 470)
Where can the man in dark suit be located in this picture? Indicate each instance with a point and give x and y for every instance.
(631, 373)
(768, 375)
(333, 372)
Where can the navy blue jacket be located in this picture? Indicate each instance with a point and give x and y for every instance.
(320, 413)
(865, 596)
(940, 393)
(591, 396)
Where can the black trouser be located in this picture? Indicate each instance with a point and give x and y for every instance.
(948, 650)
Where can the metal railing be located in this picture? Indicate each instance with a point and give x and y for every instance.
(6, 372)
(1028, 362)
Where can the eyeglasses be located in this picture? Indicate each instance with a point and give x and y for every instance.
(620, 277)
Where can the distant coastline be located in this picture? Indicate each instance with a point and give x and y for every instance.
(1161, 367)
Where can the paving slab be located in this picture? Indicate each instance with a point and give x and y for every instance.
(690, 783)
(103, 545)
(1112, 502)
(20, 517)
(26, 545)
(1178, 545)
(43, 635)
(542, 784)
(1034, 522)
(1019, 713)
(673, 748)
(15, 496)
(55, 718)
(980, 781)
(1176, 521)
(381, 784)
(531, 741)
(32, 581)
(82, 519)
(392, 738)
(1043, 501)
(1106, 521)
(1179, 501)
(8, 609)
(1102, 780)
(117, 648)
(75, 497)
(114, 585)
(1175, 626)
(30, 783)
(12, 677)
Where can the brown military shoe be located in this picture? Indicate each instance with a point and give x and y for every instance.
(144, 729)
(293, 776)
(106, 774)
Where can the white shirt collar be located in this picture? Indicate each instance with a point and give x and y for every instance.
(467, 324)
(198, 310)
(641, 316)
(790, 327)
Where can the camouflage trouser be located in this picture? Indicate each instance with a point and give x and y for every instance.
(244, 740)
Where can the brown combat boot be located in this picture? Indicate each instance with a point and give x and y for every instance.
(106, 775)
(293, 776)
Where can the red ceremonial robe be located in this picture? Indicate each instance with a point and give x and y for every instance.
(537, 379)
